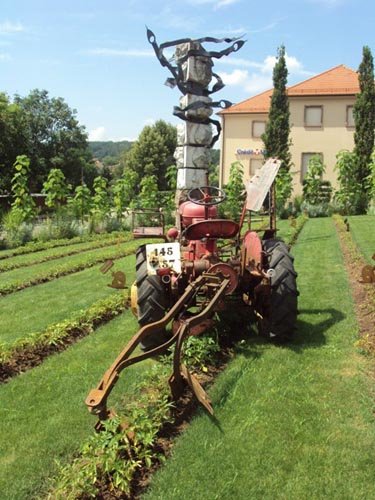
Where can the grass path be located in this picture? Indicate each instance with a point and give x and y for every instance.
(362, 229)
(42, 412)
(291, 422)
(29, 259)
(25, 274)
(47, 303)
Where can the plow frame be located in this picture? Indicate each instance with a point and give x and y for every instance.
(96, 400)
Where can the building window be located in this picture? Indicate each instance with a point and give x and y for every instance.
(349, 116)
(258, 128)
(255, 163)
(313, 116)
(305, 162)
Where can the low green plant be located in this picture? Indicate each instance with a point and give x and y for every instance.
(82, 323)
(100, 200)
(22, 204)
(56, 253)
(37, 246)
(123, 191)
(350, 191)
(111, 457)
(55, 188)
(315, 190)
(17, 281)
(235, 192)
(17, 231)
(200, 351)
(317, 210)
(81, 202)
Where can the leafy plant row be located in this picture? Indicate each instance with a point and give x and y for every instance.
(366, 341)
(37, 246)
(35, 347)
(300, 221)
(128, 443)
(8, 265)
(68, 268)
(111, 459)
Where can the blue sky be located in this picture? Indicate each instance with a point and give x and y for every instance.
(96, 56)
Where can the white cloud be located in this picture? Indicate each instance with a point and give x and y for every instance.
(251, 83)
(8, 27)
(237, 77)
(120, 53)
(260, 78)
(5, 57)
(98, 134)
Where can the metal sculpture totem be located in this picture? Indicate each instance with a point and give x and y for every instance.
(191, 69)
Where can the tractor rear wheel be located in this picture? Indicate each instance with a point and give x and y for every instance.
(280, 313)
(152, 300)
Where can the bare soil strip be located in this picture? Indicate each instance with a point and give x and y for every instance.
(363, 293)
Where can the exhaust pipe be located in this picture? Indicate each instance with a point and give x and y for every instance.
(166, 279)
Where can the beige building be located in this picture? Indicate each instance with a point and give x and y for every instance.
(321, 122)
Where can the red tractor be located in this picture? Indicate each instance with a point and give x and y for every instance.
(206, 265)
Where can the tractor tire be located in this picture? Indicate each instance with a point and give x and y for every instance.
(152, 301)
(279, 320)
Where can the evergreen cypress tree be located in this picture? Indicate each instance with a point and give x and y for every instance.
(276, 136)
(364, 117)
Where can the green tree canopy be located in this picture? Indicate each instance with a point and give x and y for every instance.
(53, 138)
(12, 139)
(152, 153)
(276, 136)
(364, 117)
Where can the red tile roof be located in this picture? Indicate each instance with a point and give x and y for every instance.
(336, 81)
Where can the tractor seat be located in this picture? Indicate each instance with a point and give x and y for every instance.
(215, 228)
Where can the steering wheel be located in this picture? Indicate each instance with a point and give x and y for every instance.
(206, 195)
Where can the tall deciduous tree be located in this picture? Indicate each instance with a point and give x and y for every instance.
(276, 136)
(54, 138)
(12, 139)
(364, 116)
(152, 153)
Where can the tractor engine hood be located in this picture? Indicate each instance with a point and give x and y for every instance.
(191, 213)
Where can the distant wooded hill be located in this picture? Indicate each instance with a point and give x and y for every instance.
(111, 149)
(104, 149)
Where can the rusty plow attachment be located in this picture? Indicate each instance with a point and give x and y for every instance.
(217, 285)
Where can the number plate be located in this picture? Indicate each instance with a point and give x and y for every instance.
(162, 255)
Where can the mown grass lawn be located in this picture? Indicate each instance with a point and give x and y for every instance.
(31, 258)
(27, 273)
(42, 412)
(291, 422)
(39, 306)
(362, 229)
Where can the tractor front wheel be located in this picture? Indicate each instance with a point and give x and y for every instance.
(152, 300)
(279, 313)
